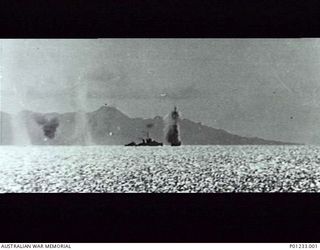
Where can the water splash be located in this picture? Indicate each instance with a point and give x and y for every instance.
(20, 131)
(82, 129)
(19, 122)
(172, 130)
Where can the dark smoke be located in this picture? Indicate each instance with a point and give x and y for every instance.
(150, 125)
(172, 128)
(49, 127)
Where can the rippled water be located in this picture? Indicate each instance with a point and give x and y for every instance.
(160, 169)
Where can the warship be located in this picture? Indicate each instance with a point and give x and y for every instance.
(172, 132)
(146, 142)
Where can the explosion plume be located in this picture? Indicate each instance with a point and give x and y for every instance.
(49, 127)
(172, 130)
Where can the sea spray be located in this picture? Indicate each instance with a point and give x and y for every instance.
(82, 127)
(20, 131)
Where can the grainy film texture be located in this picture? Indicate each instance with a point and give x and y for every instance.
(160, 115)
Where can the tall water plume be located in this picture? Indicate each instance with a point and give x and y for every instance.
(19, 121)
(172, 130)
(82, 129)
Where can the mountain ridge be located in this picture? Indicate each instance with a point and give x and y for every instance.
(109, 126)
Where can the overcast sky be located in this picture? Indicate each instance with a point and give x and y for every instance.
(253, 87)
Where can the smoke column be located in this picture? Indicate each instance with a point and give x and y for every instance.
(149, 127)
(49, 127)
(172, 131)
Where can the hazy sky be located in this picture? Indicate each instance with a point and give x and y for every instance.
(254, 87)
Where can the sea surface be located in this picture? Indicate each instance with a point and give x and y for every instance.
(159, 169)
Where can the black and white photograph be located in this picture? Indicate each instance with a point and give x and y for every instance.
(172, 115)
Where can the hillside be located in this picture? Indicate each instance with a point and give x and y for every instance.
(109, 126)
